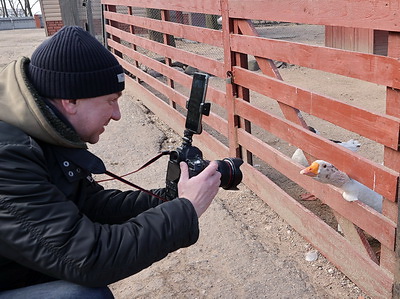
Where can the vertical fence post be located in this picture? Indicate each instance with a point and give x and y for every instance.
(243, 93)
(231, 90)
(168, 40)
(390, 260)
(113, 8)
(132, 31)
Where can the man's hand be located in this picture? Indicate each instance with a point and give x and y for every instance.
(200, 189)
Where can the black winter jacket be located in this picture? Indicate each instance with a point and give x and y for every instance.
(56, 222)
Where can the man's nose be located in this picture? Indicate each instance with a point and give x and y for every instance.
(116, 113)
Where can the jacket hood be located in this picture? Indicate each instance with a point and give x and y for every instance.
(22, 107)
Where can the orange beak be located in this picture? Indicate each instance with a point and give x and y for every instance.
(311, 170)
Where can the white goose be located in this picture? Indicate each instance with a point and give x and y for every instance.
(353, 190)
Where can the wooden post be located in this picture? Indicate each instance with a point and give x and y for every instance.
(244, 93)
(392, 160)
(132, 31)
(231, 92)
(168, 40)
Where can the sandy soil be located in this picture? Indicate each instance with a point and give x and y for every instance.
(245, 249)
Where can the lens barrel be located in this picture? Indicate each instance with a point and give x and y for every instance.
(231, 175)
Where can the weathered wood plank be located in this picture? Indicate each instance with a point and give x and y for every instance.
(166, 90)
(203, 35)
(211, 147)
(160, 108)
(381, 128)
(200, 6)
(368, 67)
(376, 14)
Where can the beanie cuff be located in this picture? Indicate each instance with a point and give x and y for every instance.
(62, 85)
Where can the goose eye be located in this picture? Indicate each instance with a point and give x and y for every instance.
(324, 165)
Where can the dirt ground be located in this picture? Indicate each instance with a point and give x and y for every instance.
(245, 249)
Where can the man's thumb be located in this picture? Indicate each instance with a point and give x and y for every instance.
(184, 171)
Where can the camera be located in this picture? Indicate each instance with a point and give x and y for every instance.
(229, 168)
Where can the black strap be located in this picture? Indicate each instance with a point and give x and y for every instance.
(120, 178)
(116, 177)
(143, 166)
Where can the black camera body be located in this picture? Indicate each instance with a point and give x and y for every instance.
(231, 175)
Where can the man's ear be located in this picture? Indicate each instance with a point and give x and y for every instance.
(69, 106)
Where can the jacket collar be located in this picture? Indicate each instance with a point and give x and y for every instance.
(83, 158)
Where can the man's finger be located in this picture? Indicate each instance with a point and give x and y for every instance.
(184, 171)
(211, 168)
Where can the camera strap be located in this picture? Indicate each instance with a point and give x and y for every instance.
(121, 179)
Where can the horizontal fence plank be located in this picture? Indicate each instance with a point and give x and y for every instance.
(199, 6)
(359, 268)
(377, 177)
(166, 90)
(368, 67)
(217, 123)
(158, 107)
(212, 95)
(212, 120)
(383, 129)
(202, 35)
(211, 147)
(378, 226)
(377, 14)
(205, 64)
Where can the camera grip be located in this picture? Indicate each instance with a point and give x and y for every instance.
(173, 174)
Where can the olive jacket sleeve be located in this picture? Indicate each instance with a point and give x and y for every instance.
(86, 243)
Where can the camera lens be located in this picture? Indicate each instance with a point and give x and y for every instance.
(231, 175)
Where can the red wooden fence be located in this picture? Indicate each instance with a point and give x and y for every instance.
(237, 40)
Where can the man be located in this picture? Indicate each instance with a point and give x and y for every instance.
(61, 234)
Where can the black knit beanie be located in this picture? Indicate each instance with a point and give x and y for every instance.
(74, 65)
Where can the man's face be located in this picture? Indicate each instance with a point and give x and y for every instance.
(93, 114)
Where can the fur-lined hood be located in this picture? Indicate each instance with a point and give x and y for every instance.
(22, 107)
